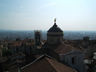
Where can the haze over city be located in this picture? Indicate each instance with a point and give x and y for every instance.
(40, 14)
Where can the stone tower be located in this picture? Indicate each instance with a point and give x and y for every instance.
(37, 38)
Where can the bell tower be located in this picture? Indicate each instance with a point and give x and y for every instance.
(37, 38)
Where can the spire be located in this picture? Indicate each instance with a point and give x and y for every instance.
(54, 20)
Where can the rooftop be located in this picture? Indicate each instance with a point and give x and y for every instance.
(55, 28)
(46, 64)
(64, 48)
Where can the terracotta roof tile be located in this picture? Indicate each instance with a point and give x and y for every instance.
(64, 48)
(15, 43)
(59, 67)
(46, 64)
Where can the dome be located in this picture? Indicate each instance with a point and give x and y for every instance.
(54, 35)
(55, 28)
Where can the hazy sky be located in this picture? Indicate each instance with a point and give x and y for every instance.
(40, 14)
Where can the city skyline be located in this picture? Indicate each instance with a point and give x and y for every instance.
(39, 15)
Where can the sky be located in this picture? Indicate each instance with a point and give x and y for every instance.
(40, 14)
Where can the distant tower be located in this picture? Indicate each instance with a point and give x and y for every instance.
(37, 38)
(54, 34)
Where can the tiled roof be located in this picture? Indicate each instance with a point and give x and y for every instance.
(55, 28)
(30, 44)
(61, 48)
(19, 43)
(64, 48)
(15, 43)
(47, 64)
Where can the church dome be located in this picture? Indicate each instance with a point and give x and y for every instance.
(54, 34)
(55, 28)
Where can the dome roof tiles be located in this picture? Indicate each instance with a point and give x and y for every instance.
(55, 28)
